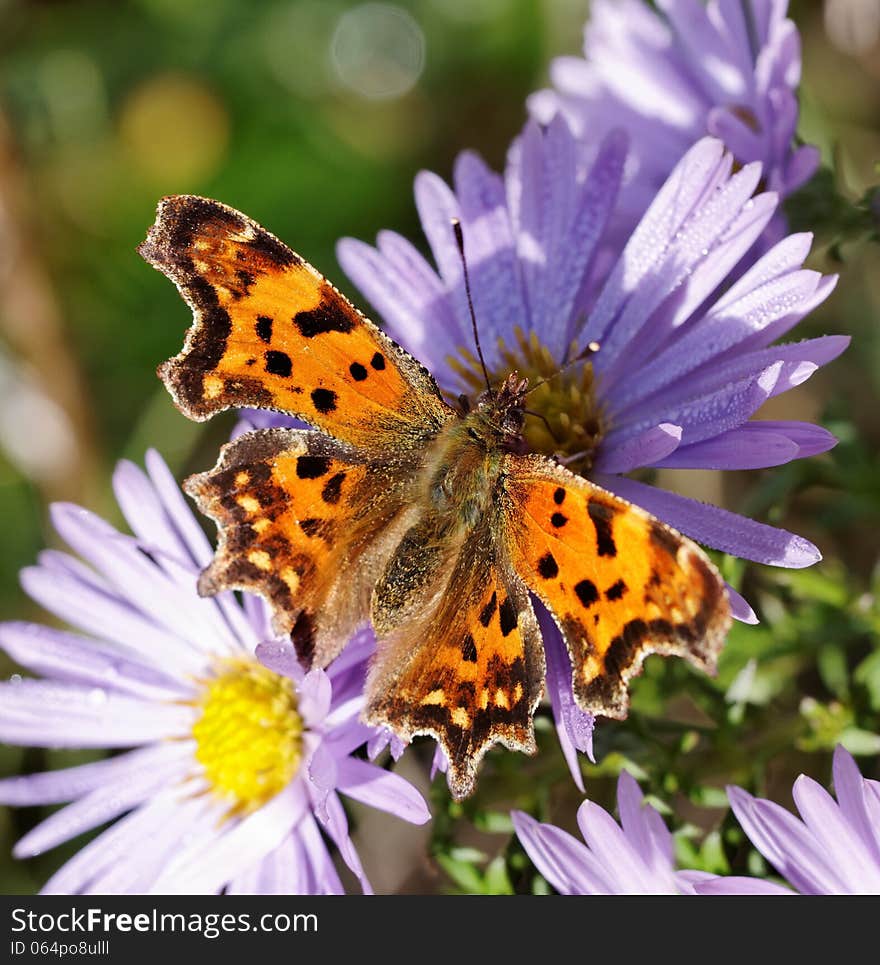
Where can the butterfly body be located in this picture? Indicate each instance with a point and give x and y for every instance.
(464, 463)
(431, 523)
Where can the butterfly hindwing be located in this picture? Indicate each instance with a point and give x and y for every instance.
(464, 663)
(619, 583)
(270, 332)
(304, 521)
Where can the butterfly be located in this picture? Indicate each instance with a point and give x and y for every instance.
(426, 519)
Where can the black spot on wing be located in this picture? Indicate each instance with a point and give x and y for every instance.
(558, 520)
(333, 488)
(559, 496)
(507, 617)
(329, 316)
(263, 328)
(312, 467)
(278, 363)
(315, 527)
(302, 636)
(586, 592)
(324, 400)
(378, 361)
(469, 649)
(548, 567)
(246, 279)
(616, 590)
(488, 610)
(358, 372)
(602, 517)
(270, 248)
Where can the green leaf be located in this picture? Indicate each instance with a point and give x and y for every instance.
(497, 881)
(464, 875)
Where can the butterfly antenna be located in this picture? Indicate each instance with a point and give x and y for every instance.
(459, 240)
(590, 350)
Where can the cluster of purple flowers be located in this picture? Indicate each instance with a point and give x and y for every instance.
(833, 850)
(638, 208)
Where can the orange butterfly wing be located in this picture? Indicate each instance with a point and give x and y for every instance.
(308, 524)
(461, 659)
(619, 583)
(270, 332)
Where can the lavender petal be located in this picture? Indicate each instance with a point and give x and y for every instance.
(785, 843)
(740, 608)
(574, 727)
(68, 784)
(734, 885)
(102, 804)
(314, 695)
(718, 528)
(375, 787)
(562, 860)
(206, 867)
(70, 658)
(750, 446)
(613, 849)
(648, 448)
(108, 617)
(826, 822)
(851, 791)
(38, 713)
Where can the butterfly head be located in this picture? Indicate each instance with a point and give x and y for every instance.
(501, 410)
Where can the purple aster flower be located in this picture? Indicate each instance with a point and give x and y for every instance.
(729, 68)
(686, 357)
(236, 771)
(833, 850)
(634, 857)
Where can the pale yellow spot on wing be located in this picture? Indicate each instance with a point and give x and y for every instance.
(484, 698)
(591, 669)
(517, 693)
(260, 526)
(260, 559)
(290, 577)
(212, 385)
(460, 717)
(434, 697)
(501, 699)
(242, 478)
(249, 504)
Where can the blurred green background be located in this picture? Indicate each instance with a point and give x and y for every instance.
(313, 116)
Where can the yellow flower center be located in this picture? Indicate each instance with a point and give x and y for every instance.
(564, 418)
(249, 736)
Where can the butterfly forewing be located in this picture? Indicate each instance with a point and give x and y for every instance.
(270, 332)
(619, 583)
